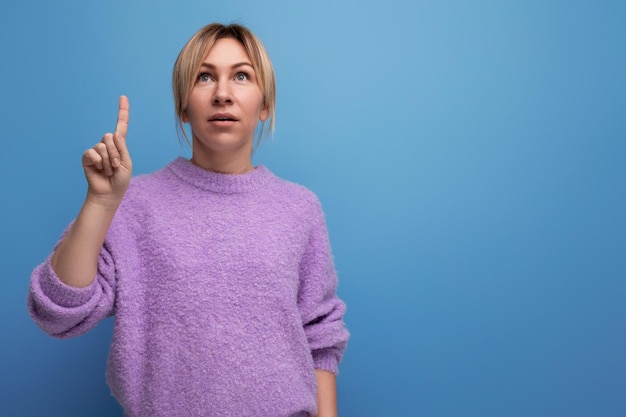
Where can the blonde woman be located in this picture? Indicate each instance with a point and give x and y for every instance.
(219, 274)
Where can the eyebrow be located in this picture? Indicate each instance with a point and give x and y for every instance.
(237, 65)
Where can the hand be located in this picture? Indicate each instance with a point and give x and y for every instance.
(108, 167)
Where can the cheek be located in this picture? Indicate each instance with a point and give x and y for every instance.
(192, 106)
(256, 104)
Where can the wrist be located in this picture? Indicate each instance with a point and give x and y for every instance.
(106, 203)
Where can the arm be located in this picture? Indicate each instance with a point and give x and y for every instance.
(108, 170)
(322, 312)
(326, 394)
(62, 299)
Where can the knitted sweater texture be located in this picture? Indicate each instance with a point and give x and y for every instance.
(224, 295)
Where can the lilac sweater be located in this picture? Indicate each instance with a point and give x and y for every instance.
(223, 291)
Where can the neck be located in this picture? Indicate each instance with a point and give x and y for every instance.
(227, 162)
(223, 167)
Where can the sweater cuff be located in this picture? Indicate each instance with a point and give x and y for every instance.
(326, 359)
(59, 293)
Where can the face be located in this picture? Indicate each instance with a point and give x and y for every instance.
(225, 103)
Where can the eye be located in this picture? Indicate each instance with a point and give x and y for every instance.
(242, 76)
(204, 77)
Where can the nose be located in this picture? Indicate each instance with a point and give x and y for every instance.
(222, 93)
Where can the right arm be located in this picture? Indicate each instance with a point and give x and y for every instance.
(108, 169)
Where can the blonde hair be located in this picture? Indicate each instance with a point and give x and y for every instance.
(197, 48)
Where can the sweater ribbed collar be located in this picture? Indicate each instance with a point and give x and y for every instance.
(217, 182)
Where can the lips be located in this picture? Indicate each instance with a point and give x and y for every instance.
(222, 117)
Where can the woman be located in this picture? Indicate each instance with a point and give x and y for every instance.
(219, 274)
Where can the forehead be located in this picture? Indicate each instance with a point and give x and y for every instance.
(226, 51)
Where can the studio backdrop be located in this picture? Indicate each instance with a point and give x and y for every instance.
(470, 158)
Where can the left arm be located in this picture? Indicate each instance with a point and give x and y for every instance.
(322, 312)
(326, 394)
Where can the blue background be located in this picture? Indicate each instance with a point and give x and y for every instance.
(470, 157)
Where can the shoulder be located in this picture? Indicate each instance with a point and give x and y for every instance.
(297, 197)
(146, 193)
(294, 190)
(151, 184)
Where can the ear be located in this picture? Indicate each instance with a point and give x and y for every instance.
(184, 118)
(265, 113)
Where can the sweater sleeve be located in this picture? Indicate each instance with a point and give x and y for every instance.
(321, 310)
(64, 311)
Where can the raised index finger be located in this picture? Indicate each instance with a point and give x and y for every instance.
(122, 117)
